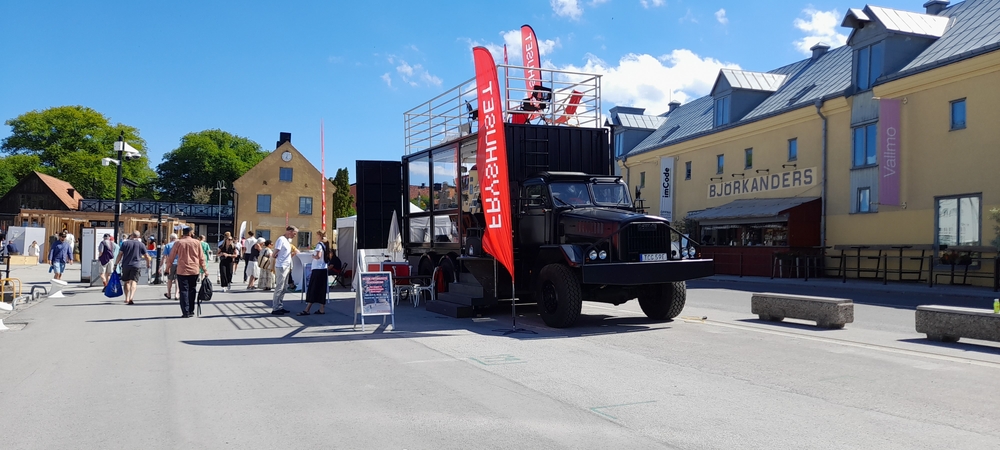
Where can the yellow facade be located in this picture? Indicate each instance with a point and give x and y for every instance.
(264, 179)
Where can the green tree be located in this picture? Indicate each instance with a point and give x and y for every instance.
(342, 199)
(14, 168)
(69, 142)
(203, 159)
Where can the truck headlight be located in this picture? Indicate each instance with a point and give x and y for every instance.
(592, 255)
(603, 255)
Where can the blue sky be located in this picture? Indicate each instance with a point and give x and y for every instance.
(257, 68)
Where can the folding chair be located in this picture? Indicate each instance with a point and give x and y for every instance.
(339, 276)
(568, 111)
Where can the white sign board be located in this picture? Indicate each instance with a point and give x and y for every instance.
(666, 183)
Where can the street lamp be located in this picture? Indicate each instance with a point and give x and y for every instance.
(126, 153)
(220, 186)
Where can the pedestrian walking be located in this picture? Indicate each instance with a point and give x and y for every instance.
(266, 263)
(252, 271)
(106, 255)
(133, 257)
(206, 250)
(316, 293)
(168, 269)
(283, 253)
(246, 244)
(60, 254)
(189, 257)
(227, 261)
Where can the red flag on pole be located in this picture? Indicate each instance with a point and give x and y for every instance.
(322, 171)
(491, 158)
(529, 55)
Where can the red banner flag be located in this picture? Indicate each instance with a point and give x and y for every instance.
(322, 166)
(491, 159)
(529, 56)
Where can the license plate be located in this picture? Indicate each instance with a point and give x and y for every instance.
(653, 257)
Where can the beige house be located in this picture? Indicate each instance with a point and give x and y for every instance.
(283, 189)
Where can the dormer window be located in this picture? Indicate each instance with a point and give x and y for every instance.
(722, 111)
(869, 65)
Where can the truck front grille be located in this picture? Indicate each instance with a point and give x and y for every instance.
(642, 238)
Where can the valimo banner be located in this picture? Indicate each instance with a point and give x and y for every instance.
(667, 187)
(491, 159)
(888, 151)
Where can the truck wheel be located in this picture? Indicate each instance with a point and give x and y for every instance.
(560, 298)
(663, 301)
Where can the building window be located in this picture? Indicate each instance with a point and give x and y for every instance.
(285, 174)
(305, 240)
(721, 111)
(642, 180)
(869, 65)
(305, 205)
(720, 164)
(864, 200)
(748, 158)
(865, 144)
(264, 203)
(266, 234)
(793, 149)
(619, 144)
(958, 114)
(687, 170)
(959, 219)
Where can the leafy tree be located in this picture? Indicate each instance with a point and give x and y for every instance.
(202, 194)
(204, 158)
(14, 168)
(69, 142)
(342, 199)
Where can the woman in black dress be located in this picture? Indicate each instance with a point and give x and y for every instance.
(227, 255)
(317, 289)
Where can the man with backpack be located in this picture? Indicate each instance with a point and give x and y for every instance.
(106, 254)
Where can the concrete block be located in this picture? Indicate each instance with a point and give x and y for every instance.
(827, 312)
(949, 323)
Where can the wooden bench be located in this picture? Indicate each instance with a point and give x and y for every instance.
(950, 323)
(825, 311)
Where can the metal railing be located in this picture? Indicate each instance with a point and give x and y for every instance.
(449, 116)
(188, 210)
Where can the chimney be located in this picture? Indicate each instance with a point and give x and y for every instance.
(819, 50)
(934, 7)
(673, 105)
(282, 138)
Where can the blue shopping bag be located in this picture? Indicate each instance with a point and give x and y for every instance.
(114, 287)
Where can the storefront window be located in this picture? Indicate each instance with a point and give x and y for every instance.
(419, 183)
(959, 220)
(758, 234)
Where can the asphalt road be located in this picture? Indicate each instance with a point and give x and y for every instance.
(89, 372)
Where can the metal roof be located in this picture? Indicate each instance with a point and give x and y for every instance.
(973, 28)
(754, 81)
(640, 121)
(750, 208)
(909, 22)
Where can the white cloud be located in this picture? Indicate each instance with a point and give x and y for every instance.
(652, 82)
(651, 3)
(388, 79)
(720, 15)
(415, 75)
(512, 39)
(567, 8)
(689, 17)
(820, 26)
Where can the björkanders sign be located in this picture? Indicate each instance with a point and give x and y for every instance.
(753, 185)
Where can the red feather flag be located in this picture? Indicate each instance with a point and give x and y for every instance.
(491, 159)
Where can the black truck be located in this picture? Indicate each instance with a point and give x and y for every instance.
(578, 234)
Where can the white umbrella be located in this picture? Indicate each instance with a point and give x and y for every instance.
(394, 243)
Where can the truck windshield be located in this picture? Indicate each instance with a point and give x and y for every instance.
(610, 194)
(574, 194)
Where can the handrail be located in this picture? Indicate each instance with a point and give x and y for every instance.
(152, 208)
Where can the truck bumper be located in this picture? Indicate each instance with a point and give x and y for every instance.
(639, 273)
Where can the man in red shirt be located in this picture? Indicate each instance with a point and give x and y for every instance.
(190, 261)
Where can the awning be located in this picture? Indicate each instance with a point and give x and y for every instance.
(751, 210)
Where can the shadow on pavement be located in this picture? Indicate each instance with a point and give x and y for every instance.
(964, 346)
(786, 324)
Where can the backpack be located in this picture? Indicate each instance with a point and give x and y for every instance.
(327, 254)
(106, 254)
(205, 292)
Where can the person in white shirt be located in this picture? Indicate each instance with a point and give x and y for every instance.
(283, 253)
(34, 249)
(317, 290)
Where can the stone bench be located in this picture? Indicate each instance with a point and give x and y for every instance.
(949, 323)
(827, 312)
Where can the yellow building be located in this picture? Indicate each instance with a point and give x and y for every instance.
(888, 141)
(283, 189)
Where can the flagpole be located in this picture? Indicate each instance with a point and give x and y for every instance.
(322, 164)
